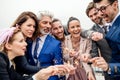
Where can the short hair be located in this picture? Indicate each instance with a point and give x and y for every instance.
(44, 13)
(90, 6)
(55, 20)
(110, 1)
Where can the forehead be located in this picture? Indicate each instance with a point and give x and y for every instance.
(102, 3)
(46, 18)
(18, 36)
(74, 22)
(92, 11)
(57, 23)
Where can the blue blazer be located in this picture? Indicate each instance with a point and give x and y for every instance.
(51, 54)
(113, 38)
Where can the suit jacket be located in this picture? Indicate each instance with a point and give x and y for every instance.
(50, 54)
(103, 45)
(113, 38)
(7, 71)
(85, 47)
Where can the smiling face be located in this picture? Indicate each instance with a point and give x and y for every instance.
(74, 28)
(94, 16)
(45, 25)
(108, 9)
(57, 30)
(28, 28)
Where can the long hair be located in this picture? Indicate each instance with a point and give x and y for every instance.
(23, 17)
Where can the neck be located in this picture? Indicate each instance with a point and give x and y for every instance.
(11, 55)
(75, 39)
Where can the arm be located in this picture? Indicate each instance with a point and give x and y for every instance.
(4, 75)
(22, 66)
(113, 69)
(58, 59)
(86, 33)
(94, 50)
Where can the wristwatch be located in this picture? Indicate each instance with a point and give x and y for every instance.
(109, 70)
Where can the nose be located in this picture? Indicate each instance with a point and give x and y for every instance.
(100, 13)
(48, 25)
(94, 17)
(32, 28)
(59, 30)
(25, 43)
(76, 28)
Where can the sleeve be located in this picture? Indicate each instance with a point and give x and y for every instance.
(22, 66)
(4, 75)
(114, 69)
(58, 59)
(86, 33)
(94, 50)
(88, 48)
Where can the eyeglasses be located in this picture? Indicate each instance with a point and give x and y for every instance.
(103, 8)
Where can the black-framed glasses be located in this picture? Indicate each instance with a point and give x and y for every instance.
(103, 8)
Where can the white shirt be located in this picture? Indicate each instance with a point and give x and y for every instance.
(41, 42)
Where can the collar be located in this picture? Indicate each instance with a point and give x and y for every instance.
(114, 19)
(42, 38)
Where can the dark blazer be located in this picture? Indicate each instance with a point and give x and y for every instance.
(51, 54)
(113, 38)
(103, 45)
(23, 67)
(7, 71)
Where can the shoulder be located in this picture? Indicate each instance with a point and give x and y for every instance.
(86, 40)
(52, 39)
(3, 60)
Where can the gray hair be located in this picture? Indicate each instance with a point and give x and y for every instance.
(44, 13)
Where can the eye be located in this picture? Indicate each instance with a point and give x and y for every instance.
(103, 8)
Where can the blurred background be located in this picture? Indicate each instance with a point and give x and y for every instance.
(62, 9)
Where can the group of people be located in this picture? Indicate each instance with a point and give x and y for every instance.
(36, 47)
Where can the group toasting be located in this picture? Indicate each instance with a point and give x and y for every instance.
(40, 47)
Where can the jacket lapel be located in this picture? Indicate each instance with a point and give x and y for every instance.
(114, 27)
(47, 41)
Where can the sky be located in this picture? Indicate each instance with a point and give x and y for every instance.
(62, 9)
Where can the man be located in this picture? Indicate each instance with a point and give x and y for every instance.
(58, 30)
(103, 46)
(110, 11)
(93, 14)
(45, 50)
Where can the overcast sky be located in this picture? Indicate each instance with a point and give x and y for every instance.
(62, 9)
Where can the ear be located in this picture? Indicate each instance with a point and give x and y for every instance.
(115, 4)
(8, 46)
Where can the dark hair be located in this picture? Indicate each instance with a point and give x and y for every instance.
(23, 17)
(90, 6)
(110, 1)
(55, 20)
(71, 19)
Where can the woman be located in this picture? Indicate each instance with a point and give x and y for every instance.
(75, 47)
(12, 44)
(27, 23)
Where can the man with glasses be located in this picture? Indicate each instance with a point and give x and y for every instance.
(110, 12)
(102, 45)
